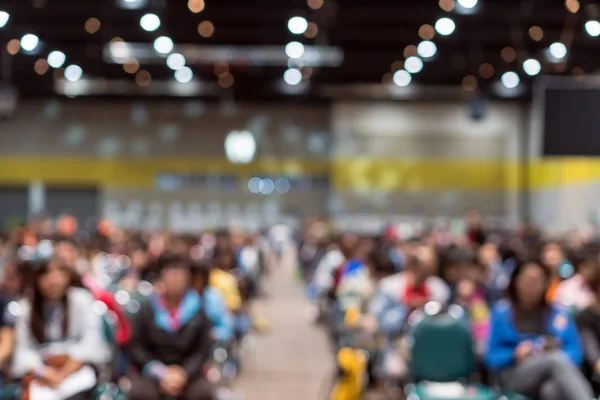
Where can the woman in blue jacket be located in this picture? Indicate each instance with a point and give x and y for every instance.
(534, 347)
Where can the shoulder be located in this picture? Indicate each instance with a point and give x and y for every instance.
(212, 295)
(502, 308)
(80, 295)
(392, 284)
(20, 308)
(436, 281)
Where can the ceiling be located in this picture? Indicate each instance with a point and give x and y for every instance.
(373, 36)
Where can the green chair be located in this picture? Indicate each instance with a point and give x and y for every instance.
(443, 361)
(10, 391)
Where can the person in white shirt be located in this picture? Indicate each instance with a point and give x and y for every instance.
(58, 337)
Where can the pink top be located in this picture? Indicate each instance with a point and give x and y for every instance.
(574, 292)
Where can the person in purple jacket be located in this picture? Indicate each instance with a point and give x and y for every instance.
(534, 347)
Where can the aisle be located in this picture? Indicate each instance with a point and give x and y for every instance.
(293, 362)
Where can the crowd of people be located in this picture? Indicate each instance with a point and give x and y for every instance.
(81, 308)
(531, 302)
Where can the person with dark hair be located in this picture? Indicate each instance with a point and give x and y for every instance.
(553, 258)
(534, 347)
(588, 322)
(171, 338)
(13, 279)
(58, 337)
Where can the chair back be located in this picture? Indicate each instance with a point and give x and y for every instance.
(442, 350)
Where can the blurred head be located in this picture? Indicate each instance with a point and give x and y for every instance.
(223, 240)
(423, 262)
(225, 259)
(362, 249)
(181, 245)
(201, 276)
(379, 264)
(552, 256)
(488, 254)
(66, 252)
(347, 244)
(589, 269)
(456, 264)
(51, 281)
(13, 278)
(528, 285)
(175, 274)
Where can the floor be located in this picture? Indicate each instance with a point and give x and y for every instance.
(293, 361)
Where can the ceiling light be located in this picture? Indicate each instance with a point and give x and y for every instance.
(294, 49)
(445, 26)
(510, 80)
(150, 22)
(4, 17)
(532, 67)
(73, 73)
(401, 78)
(196, 6)
(184, 75)
(132, 4)
(176, 61)
(413, 65)
(206, 29)
(292, 76)
(426, 49)
(536, 33)
(29, 42)
(163, 45)
(92, 25)
(297, 25)
(467, 3)
(558, 50)
(56, 59)
(592, 27)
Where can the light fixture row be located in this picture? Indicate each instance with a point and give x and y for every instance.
(55, 59)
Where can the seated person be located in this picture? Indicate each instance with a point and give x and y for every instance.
(534, 347)
(214, 304)
(496, 271)
(576, 292)
(418, 284)
(58, 337)
(226, 283)
(7, 332)
(13, 279)
(588, 322)
(384, 313)
(171, 338)
(553, 258)
(472, 294)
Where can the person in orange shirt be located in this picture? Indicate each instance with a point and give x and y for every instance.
(553, 258)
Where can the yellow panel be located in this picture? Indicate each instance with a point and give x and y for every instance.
(417, 175)
(360, 174)
(140, 173)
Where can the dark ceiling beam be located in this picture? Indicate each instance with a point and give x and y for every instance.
(355, 14)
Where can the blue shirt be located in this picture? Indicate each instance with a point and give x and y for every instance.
(504, 336)
(218, 314)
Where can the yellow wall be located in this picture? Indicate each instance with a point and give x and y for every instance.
(346, 174)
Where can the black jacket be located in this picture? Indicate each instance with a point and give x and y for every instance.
(186, 346)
